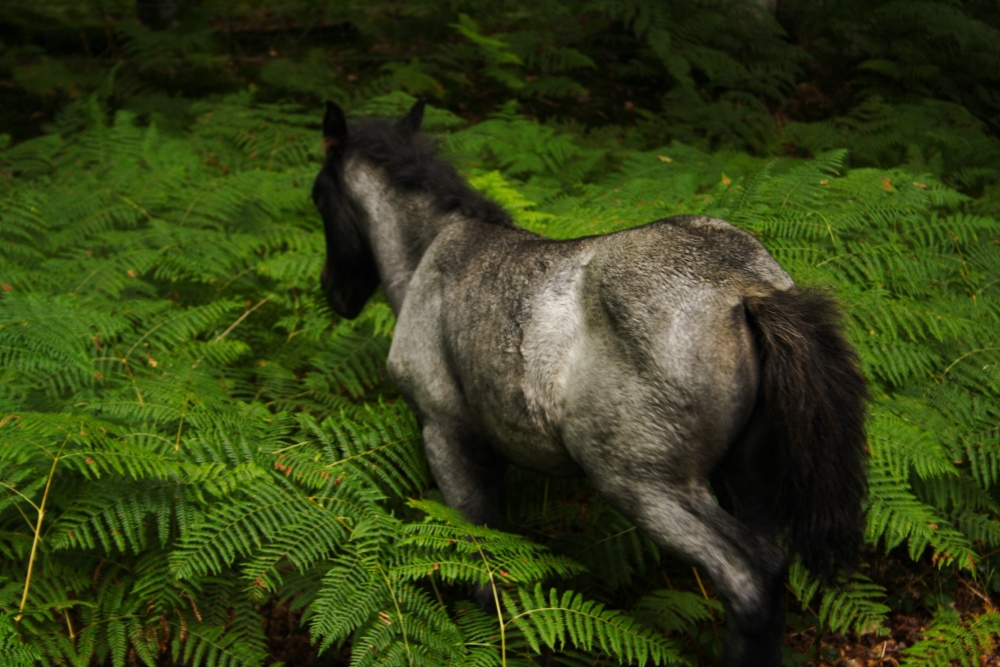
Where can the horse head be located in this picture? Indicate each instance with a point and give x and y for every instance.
(350, 273)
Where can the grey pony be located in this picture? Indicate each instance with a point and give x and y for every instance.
(663, 362)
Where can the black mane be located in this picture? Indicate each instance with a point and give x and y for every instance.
(412, 163)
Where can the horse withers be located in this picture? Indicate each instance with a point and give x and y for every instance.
(658, 361)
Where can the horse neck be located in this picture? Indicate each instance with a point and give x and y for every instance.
(399, 226)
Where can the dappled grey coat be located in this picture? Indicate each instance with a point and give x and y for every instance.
(655, 360)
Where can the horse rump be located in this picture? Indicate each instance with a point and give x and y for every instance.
(813, 400)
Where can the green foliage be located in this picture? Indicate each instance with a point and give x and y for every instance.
(554, 620)
(934, 136)
(931, 48)
(949, 641)
(189, 435)
(12, 651)
(897, 81)
(852, 604)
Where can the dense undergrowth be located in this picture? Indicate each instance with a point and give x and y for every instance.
(190, 439)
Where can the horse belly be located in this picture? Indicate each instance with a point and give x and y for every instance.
(513, 396)
(532, 449)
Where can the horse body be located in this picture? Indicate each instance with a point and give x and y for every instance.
(634, 357)
(519, 327)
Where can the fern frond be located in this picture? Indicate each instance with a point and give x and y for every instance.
(413, 630)
(858, 606)
(211, 645)
(557, 621)
(12, 651)
(262, 514)
(854, 603)
(675, 610)
(896, 515)
(949, 641)
(445, 540)
(355, 587)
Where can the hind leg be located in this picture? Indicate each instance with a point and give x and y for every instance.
(655, 472)
(745, 479)
(744, 482)
(748, 570)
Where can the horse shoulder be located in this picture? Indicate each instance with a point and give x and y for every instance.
(434, 319)
(417, 360)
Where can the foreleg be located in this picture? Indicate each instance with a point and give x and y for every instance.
(469, 475)
(471, 479)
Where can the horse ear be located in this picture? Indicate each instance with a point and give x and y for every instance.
(334, 126)
(410, 123)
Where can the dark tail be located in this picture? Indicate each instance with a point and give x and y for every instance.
(813, 399)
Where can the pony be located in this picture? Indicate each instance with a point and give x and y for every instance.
(664, 362)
